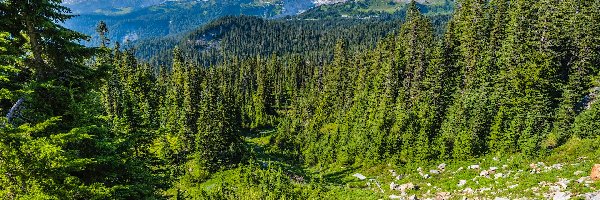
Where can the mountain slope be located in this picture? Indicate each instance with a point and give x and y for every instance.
(90, 6)
(170, 17)
(250, 36)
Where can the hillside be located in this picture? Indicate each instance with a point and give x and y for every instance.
(376, 9)
(303, 34)
(365, 99)
(106, 6)
(141, 19)
(169, 17)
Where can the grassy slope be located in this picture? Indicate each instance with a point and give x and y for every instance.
(337, 182)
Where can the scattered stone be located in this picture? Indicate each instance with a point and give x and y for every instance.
(413, 197)
(595, 175)
(442, 196)
(393, 172)
(554, 188)
(484, 173)
(442, 167)
(533, 165)
(495, 159)
(393, 196)
(498, 175)
(462, 183)
(561, 196)
(501, 198)
(420, 169)
(563, 183)
(403, 187)
(591, 196)
(493, 169)
(433, 171)
(583, 179)
(426, 176)
(474, 167)
(394, 186)
(557, 166)
(360, 176)
(468, 191)
(513, 186)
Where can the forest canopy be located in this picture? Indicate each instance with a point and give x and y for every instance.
(245, 119)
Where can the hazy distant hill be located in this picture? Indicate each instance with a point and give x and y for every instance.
(90, 6)
(304, 34)
(130, 20)
(145, 20)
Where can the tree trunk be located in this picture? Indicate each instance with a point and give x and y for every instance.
(13, 110)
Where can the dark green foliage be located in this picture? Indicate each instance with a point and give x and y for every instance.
(506, 77)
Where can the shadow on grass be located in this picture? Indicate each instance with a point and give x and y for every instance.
(257, 142)
(338, 176)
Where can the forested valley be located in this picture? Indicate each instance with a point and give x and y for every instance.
(301, 107)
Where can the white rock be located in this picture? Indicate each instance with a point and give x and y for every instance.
(493, 169)
(393, 186)
(403, 187)
(513, 186)
(419, 169)
(393, 196)
(583, 179)
(554, 188)
(461, 183)
(442, 166)
(399, 177)
(557, 166)
(413, 197)
(433, 171)
(468, 191)
(563, 183)
(442, 196)
(474, 167)
(360, 176)
(561, 196)
(498, 175)
(591, 196)
(501, 198)
(484, 173)
(426, 176)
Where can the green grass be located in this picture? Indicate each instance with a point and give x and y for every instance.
(337, 182)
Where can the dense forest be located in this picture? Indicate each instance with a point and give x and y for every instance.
(501, 78)
(154, 19)
(312, 35)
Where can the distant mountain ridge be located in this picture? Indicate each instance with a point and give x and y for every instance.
(129, 20)
(132, 19)
(91, 6)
